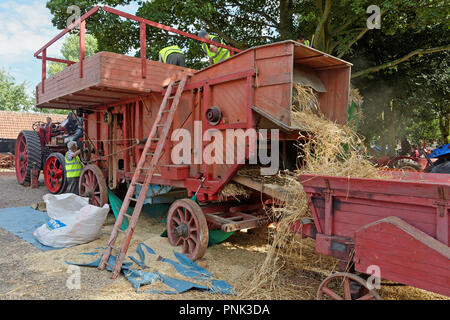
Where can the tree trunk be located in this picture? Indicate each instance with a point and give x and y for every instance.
(286, 20)
(392, 119)
(444, 126)
(320, 35)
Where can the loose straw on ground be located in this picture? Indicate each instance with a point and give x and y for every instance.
(326, 148)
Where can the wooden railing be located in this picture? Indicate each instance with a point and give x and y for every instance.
(81, 22)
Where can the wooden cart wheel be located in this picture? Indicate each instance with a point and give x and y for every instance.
(85, 154)
(92, 185)
(346, 286)
(186, 225)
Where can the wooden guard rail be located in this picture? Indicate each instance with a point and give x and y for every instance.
(42, 53)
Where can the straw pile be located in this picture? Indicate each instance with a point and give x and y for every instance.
(234, 190)
(327, 149)
(304, 98)
(355, 96)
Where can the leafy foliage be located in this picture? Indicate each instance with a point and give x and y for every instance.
(335, 25)
(71, 51)
(387, 62)
(13, 96)
(410, 99)
(432, 119)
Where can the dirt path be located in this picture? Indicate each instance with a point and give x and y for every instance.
(28, 273)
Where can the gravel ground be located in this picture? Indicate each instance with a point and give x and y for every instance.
(29, 273)
(13, 194)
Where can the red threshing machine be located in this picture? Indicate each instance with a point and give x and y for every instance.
(131, 107)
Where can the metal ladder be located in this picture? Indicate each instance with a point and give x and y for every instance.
(149, 172)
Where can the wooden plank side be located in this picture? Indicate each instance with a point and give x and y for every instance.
(352, 187)
(275, 100)
(403, 252)
(413, 268)
(274, 191)
(274, 51)
(413, 258)
(272, 71)
(385, 209)
(346, 223)
(106, 69)
(68, 86)
(68, 80)
(334, 102)
(402, 276)
(231, 98)
(242, 62)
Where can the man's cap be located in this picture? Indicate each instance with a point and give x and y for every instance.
(202, 33)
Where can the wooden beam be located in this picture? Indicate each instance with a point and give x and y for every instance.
(275, 191)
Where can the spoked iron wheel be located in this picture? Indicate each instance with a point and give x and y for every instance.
(27, 153)
(85, 154)
(186, 225)
(407, 165)
(93, 185)
(55, 173)
(346, 286)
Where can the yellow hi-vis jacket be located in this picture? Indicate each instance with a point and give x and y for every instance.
(73, 168)
(221, 54)
(165, 52)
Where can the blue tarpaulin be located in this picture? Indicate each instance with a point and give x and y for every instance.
(22, 222)
(184, 266)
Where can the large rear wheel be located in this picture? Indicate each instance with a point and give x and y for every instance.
(441, 168)
(28, 153)
(55, 173)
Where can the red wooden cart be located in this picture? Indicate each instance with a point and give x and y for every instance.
(399, 227)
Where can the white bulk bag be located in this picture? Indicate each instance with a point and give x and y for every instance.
(73, 221)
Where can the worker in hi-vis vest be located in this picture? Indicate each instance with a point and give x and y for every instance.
(172, 55)
(215, 54)
(302, 39)
(73, 167)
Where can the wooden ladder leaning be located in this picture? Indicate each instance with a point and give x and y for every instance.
(149, 172)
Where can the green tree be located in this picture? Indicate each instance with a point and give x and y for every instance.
(429, 99)
(407, 100)
(71, 51)
(13, 96)
(335, 26)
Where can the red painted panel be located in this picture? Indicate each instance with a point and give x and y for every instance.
(383, 189)
(402, 275)
(379, 246)
(425, 264)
